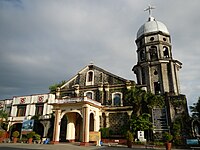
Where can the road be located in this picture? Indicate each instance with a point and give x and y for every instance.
(68, 146)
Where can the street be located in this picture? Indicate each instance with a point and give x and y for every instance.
(66, 146)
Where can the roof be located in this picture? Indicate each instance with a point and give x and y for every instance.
(97, 68)
(152, 25)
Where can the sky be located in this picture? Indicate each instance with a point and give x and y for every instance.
(43, 42)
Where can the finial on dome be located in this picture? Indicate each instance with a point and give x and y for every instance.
(91, 62)
(150, 12)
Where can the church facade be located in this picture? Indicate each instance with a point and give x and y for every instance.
(92, 99)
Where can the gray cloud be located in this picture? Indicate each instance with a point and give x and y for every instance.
(44, 42)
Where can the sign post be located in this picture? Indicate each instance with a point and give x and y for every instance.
(27, 125)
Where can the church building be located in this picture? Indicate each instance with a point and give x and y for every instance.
(95, 98)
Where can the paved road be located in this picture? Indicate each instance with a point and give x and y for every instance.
(68, 146)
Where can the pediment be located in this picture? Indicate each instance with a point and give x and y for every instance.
(101, 76)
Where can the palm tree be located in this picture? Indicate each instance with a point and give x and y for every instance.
(143, 102)
(3, 117)
(139, 98)
(135, 96)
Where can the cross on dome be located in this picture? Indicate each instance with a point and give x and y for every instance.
(149, 9)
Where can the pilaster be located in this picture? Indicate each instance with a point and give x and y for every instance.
(56, 133)
(86, 122)
(107, 119)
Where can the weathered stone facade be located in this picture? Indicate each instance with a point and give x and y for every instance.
(157, 70)
(104, 87)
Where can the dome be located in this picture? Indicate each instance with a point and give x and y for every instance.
(152, 25)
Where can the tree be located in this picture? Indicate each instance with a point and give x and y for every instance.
(53, 87)
(153, 100)
(195, 109)
(135, 96)
(140, 123)
(3, 119)
(143, 101)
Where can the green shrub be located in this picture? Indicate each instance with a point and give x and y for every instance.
(178, 140)
(129, 136)
(167, 137)
(15, 134)
(23, 139)
(104, 132)
(1, 134)
(30, 135)
(37, 136)
(158, 143)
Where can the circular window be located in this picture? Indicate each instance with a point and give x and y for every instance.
(152, 39)
(164, 39)
(155, 72)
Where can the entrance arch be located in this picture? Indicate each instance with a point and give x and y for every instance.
(71, 127)
(15, 127)
(79, 112)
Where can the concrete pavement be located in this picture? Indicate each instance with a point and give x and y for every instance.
(66, 146)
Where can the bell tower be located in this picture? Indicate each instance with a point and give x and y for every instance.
(156, 69)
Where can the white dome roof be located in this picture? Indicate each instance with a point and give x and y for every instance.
(152, 25)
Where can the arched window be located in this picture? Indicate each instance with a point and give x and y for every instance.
(165, 52)
(117, 99)
(153, 53)
(90, 78)
(89, 94)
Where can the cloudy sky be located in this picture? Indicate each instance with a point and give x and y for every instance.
(43, 42)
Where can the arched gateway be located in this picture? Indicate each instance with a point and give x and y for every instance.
(82, 116)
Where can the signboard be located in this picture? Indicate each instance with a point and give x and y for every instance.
(159, 116)
(95, 136)
(27, 125)
(140, 134)
(192, 141)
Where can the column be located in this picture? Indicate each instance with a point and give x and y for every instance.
(56, 132)
(96, 122)
(86, 122)
(58, 93)
(97, 126)
(107, 94)
(107, 119)
(46, 127)
(102, 93)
